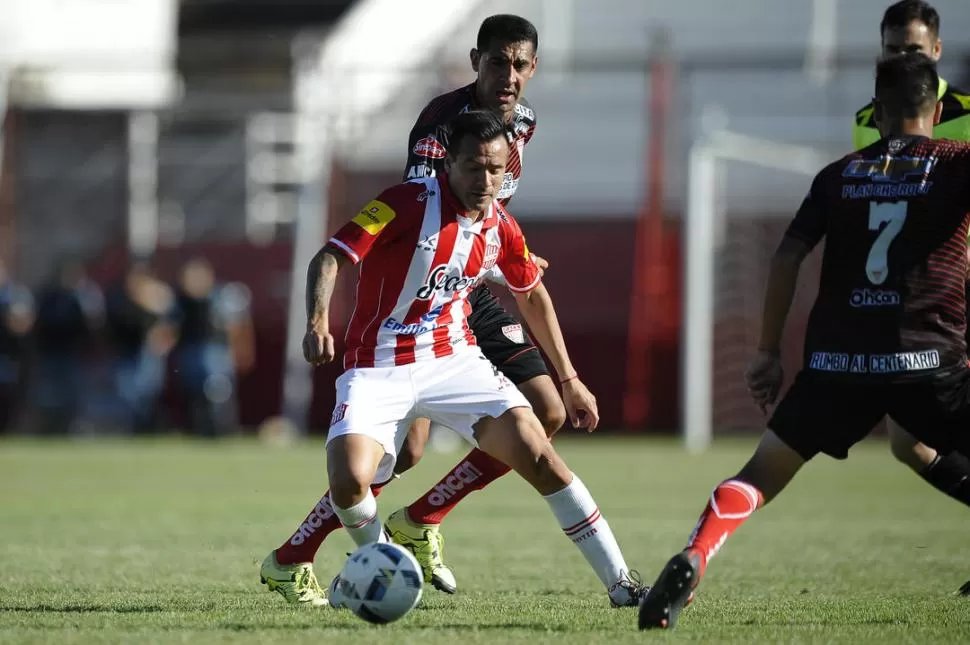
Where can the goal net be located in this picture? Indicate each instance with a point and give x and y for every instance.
(742, 192)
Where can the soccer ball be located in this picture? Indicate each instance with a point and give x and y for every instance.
(380, 582)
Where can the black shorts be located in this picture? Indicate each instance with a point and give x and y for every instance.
(504, 340)
(820, 414)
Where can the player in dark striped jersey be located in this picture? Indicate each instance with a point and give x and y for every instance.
(914, 26)
(886, 336)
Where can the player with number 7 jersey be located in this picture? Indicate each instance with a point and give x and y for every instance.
(914, 26)
(886, 334)
(891, 300)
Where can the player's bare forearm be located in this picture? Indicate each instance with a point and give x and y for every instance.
(321, 278)
(540, 315)
(780, 291)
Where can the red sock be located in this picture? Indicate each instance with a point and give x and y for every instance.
(474, 472)
(303, 545)
(732, 502)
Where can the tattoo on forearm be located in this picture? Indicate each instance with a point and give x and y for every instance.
(321, 277)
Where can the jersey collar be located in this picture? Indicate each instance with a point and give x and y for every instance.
(451, 209)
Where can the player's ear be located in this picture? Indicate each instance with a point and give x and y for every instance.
(938, 113)
(937, 51)
(475, 57)
(535, 64)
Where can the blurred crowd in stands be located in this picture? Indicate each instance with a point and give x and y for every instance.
(76, 358)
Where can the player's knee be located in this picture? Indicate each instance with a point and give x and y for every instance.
(544, 398)
(552, 416)
(348, 489)
(547, 472)
(350, 479)
(552, 472)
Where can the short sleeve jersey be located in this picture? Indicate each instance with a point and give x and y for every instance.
(420, 258)
(891, 302)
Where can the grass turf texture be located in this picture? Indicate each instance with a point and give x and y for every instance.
(160, 542)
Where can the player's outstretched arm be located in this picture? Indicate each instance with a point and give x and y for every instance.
(318, 344)
(540, 315)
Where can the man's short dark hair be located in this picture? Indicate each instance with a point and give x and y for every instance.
(505, 28)
(480, 125)
(907, 85)
(899, 15)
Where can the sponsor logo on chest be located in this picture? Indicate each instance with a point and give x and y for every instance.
(444, 280)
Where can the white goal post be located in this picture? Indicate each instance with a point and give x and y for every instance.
(703, 214)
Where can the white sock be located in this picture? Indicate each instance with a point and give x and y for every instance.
(361, 521)
(580, 519)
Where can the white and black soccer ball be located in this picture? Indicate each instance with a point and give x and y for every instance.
(380, 582)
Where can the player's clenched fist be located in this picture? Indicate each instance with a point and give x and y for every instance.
(580, 405)
(764, 377)
(318, 347)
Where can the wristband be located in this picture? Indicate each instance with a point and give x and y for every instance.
(566, 380)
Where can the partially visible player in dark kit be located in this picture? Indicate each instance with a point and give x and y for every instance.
(913, 26)
(886, 335)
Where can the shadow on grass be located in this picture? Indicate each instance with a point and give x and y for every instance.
(81, 609)
(358, 627)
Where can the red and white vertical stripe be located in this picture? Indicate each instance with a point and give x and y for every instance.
(386, 294)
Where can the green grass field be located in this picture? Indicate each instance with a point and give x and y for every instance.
(160, 542)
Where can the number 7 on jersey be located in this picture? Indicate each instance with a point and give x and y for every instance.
(892, 214)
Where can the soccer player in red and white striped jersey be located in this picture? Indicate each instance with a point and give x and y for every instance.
(422, 247)
(411, 304)
(504, 59)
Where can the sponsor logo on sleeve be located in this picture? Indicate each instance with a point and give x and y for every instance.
(374, 217)
(429, 147)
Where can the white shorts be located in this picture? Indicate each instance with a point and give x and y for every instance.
(455, 391)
